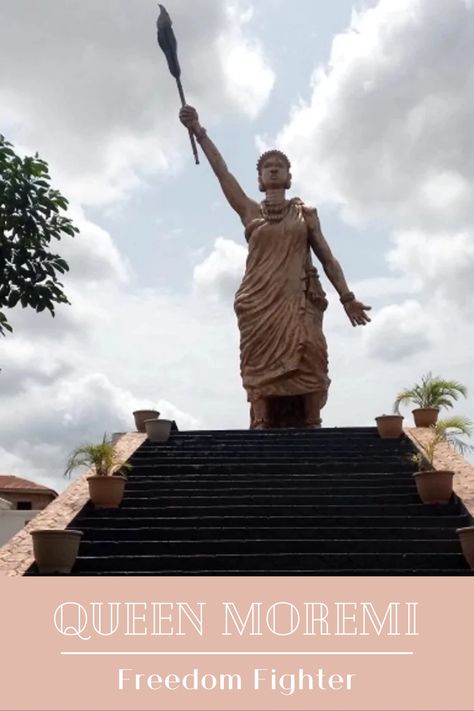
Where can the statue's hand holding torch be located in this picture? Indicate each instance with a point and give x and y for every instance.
(190, 119)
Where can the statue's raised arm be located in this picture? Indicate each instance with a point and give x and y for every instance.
(237, 199)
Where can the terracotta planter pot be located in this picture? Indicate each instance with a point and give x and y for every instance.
(158, 430)
(142, 415)
(466, 537)
(55, 551)
(106, 492)
(390, 426)
(425, 416)
(434, 486)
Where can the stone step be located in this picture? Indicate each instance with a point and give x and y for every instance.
(283, 561)
(343, 435)
(268, 546)
(360, 464)
(270, 479)
(293, 502)
(259, 469)
(278, 508)
(249, 522)
(109, 531)
(269, 572)
(280, 449)
(310, 486)
(286, 498)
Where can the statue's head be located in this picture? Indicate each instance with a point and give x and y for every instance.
(273, 169)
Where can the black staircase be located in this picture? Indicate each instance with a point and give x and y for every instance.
(282, 502)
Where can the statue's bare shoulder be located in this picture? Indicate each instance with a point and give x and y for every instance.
(252, 212)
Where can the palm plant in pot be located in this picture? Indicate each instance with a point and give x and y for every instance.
(106, 486)
(435, 486)
(430, 396)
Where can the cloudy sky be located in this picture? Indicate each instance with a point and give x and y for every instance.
(374, 104)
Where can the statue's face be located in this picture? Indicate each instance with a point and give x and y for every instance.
(274, 173)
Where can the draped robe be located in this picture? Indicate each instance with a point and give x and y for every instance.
(279, 307)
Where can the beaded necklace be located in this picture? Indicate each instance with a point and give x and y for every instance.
(274, 212)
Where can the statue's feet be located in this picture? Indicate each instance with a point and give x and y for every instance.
(313, 425)
(261, 425)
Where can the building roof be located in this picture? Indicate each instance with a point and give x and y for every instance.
(10, 483)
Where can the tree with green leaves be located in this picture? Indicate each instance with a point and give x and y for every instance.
(31, 216)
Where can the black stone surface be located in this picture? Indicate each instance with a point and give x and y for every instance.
(284, 502)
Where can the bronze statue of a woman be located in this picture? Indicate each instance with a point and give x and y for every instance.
(280, 303)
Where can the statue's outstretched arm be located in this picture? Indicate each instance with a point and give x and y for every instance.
(354, 309)
(234, 194)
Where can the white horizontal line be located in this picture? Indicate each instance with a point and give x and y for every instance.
(249, 654)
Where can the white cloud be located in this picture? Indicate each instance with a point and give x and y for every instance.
(105, 111)
(399, 331)
(93, 74)
(24, 361)
(248, 79)
(382, 134)
(95, 264)
(441, 264)
(42, 426)
(115, 350)
(11, 464)
(218, 276)
(387, 132)
(387, 287)
(92, 254)
(386, 135)
(184, 420)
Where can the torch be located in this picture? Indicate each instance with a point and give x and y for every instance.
(169, 45)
